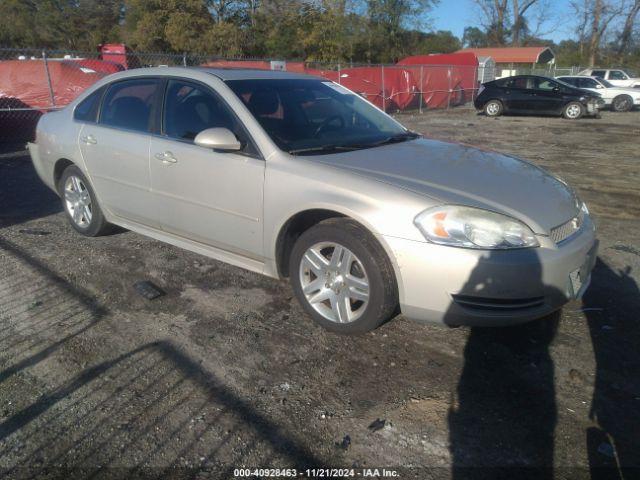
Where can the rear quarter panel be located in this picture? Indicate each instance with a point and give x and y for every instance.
(56, 139)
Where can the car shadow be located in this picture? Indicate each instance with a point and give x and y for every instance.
(23, 196)
(611, 307)
(503, 416)
(147, 411)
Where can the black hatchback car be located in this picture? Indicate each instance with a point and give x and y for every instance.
(530, 94)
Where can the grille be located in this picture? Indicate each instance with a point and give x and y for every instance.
(567, 229)
(497, 304)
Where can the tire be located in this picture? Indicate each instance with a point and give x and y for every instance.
(573, 110)
(493, 108)
(361, 261)
(80, 203)
(622, 103)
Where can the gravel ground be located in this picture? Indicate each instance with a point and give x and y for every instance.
(226, 370)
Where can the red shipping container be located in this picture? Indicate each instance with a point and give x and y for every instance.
(438, 76)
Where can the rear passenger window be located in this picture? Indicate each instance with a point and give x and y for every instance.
(130, 105)
(522, 82)
(87, 110)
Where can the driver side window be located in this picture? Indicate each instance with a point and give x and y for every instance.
(190, 108)
(617, 75)
(546, 85)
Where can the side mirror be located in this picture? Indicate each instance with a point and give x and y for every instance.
(218, 139)
(556, 89)
(599, 86)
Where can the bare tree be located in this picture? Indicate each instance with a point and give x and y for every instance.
(627, 30)
(494, 19)
(519, 24)
(581, 11)
(602, 14)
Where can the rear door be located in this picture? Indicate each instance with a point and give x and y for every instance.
(519, 95)
(209, 196)
(116, 148)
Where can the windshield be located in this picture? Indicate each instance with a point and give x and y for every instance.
(313, 116)
(606, 83)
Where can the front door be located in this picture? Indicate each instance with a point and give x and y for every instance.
(549, 95)
(116, 149)
(212, 197)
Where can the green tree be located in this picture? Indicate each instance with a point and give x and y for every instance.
(474, 38)
(169, 25)
(18, 27)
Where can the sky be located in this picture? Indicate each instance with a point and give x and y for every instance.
(455, 15)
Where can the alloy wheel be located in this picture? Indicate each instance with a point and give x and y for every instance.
(574, 111)
(493, 108)
(334, 282)
(78, 201)
(622, 104)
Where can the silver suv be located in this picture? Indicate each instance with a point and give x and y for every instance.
(293, 176)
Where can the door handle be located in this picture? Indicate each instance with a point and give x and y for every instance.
(166, 158)
(88, 139)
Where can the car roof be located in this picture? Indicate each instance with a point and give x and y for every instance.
(223, 74)
(578, 76)
(253, 74)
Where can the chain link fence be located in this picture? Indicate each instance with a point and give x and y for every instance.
(33, 81)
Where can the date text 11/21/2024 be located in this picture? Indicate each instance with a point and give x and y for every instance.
(316, 473)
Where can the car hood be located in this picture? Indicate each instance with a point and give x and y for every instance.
(464, 175)
(634, 92)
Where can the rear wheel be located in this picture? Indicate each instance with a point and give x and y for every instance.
(493, 108)
(342, 277)
(573, 111)
(80, 203)
(622, 103)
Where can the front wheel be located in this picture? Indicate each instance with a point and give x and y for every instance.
(342, 277)
(573, 111)
(622, 103)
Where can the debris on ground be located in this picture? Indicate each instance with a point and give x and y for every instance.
(376, 425)
(345, 443)
(34, 231)
(606, 449)
(148, 289)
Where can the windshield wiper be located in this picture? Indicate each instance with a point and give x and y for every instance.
(397, 138)
(324, 149)
(400, 137)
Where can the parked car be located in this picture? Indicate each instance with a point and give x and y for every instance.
(291, 175)
(530, 94)
(616, 77)
(619, 99)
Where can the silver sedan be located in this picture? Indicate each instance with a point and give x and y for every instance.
(293, 176)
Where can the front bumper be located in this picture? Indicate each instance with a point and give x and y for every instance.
(458, 286)
(594, 105)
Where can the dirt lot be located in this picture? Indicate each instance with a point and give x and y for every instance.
(227, 371)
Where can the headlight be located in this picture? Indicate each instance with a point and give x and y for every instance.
(473, 228)
(584, 208)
